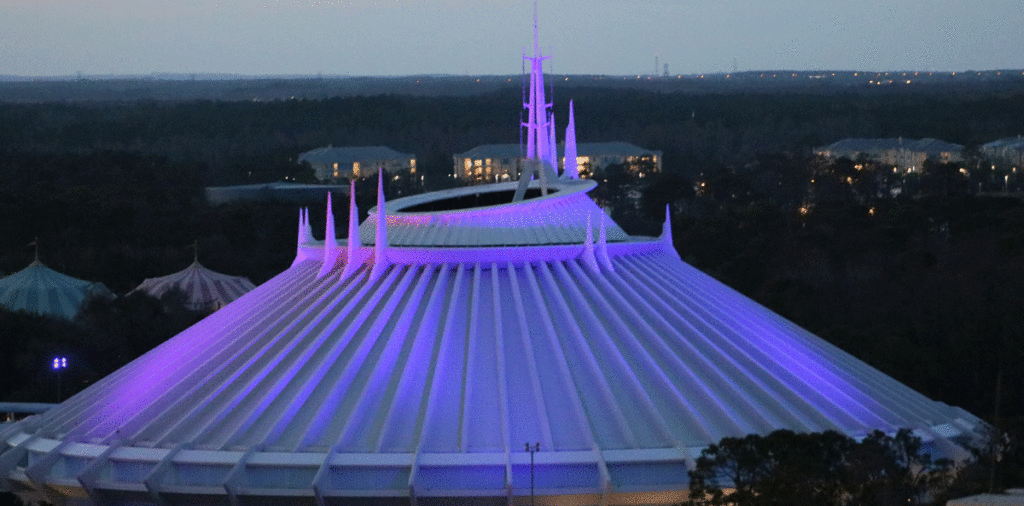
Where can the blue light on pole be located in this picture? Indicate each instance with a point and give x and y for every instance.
(59, 363)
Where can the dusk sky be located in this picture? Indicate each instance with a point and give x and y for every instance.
(407, 37)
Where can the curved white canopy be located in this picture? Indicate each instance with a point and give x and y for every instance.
(41, 290)
(203, 288)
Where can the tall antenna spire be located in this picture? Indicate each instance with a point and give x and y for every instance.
(539, 148)
(536, 36)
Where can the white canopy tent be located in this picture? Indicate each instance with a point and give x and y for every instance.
(41, 290)
(204, 289)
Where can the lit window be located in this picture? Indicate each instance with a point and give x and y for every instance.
(355, 169)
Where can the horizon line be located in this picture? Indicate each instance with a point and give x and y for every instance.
(226, 76)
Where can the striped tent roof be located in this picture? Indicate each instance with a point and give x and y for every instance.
(421, 372)
(41, 290)
(204, 289)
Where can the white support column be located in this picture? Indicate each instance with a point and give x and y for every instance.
(321, 477)
(235, 475)
(153, 480)
(10, 458)
(37, 472)
(413, 471)
(606, 478)
(89, 475)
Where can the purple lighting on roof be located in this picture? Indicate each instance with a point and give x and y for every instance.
(462, 323)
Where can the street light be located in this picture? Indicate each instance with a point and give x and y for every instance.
(59, 363)
(532, 449)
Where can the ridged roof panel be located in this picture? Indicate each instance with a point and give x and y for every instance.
(651, 355)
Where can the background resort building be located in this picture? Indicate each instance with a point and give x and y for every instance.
(1009, 152)
(907, 155)
(331, 163)
(502, 162)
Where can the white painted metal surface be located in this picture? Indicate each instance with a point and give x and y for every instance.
(427, 379)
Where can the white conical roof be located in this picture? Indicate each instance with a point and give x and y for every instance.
(428, 378)
(204, 289)
(41, 290)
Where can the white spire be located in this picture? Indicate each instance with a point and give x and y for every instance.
(307, 229)
(305, 237)
(330, 238)
(571, 170)
(540, 148)
(666, 232)
(354, 244)
(552, 159)
(330, 242)
(380, 245)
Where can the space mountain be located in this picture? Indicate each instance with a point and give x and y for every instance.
(414, 361)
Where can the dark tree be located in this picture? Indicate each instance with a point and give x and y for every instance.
(824, 469)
